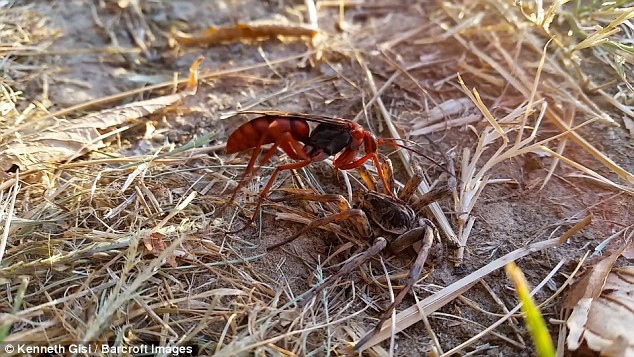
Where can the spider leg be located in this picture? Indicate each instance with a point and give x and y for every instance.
(388, 171)
(407, 239)
(386, 185)
(411, 185)
(341, 202)
(413, 276)
(360, 219)
(434, 195)
(377, 246)
(326, 220)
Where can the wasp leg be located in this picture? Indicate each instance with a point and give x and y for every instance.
(292, 148)
(345, 161)
(267, 188)
(250, 170)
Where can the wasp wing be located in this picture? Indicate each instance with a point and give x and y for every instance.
(340, 122)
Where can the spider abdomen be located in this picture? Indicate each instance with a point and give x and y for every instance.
(392, 215)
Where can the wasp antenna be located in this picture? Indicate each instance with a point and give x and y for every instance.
(392, 142)
(228, 115)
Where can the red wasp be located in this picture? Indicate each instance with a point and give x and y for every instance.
(292, 133)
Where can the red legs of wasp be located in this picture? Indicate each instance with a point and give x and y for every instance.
(267, 188)
(291, 147)
(346, 161)
(247, 173)
(295, 151)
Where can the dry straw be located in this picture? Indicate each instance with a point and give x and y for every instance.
(88, 247)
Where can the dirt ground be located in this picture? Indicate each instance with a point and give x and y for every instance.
(83, 50)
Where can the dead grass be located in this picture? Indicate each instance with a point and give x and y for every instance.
(122, 244)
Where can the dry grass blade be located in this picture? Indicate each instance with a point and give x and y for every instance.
(602, 35)
(120, 96)
(122, 294)
(556, 93)
(591, 173)
(7, 211)
(506, 316)
(434, 302)
(121, 243)
(242, 346)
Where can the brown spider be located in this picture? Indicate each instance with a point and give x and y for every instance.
(397, 225)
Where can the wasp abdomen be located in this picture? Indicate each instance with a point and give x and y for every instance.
(265, 130)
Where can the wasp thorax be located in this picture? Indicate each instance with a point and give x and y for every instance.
(330, 139)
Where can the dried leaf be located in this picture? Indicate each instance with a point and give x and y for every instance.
(288, 317)
(592, 283)
(628, 253)
(610, 318)
(240, 32)
(601, 298)
(155, 244)
(55, 140)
